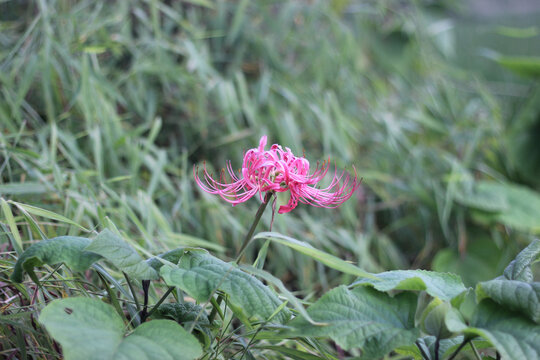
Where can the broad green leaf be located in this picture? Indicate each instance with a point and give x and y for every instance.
(523, 204)
(269, 278)
(515, 337)
(444, 286)
(514, 295)
(306, 249)
(113, 248)
(47, 214)
(520, 268)
(432, 319)
(362, 318)
(200, 275)
(481, 196)
(172, 256)
(69, 250)
(89, 329)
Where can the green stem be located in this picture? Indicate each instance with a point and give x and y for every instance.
(476, 354)
(247, 239)
(137, 305)
(249, 235)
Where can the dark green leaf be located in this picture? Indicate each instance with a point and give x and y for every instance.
(90, 329)
(69, 250)
(200, 275)
(122, 255)
(514, 295)
(520, 268)
(362, 318)
(514, 336)
(172, 256)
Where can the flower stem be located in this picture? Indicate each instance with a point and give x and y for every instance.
(258, 216)
(247, 239)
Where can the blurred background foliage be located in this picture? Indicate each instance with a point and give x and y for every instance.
(106, 106)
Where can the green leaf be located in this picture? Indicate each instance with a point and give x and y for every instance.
(362, 318)
(432, 319)
(172, 256)
(481, 196)
(483, 260)
(514, 205)
(47, 214)
(514, 295)
(514, 336)
(22, 188)
(524, 65)
(444, 286)
(16, 237)
(200, 275)
(87, 328)
(113, 248)
(191, 316)
(306, 249)
(520, 268)
(69, 250)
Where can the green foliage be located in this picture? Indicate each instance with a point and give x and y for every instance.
(512, 205)
(306, 249)
(106, 107)
(121, 255)
(514, 295)
(524, 65)
(512, 335)
(441, 285)
(201, 275)
(520, 267)
(69, 250)
(191, 316)
(515, 289)
(362, 318)
(89, 329)
(426, 345)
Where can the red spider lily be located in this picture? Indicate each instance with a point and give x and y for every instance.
(279, 170)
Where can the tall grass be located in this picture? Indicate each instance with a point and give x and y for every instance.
(107, 106)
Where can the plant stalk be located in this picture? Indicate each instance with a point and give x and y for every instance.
(247, 239)
(249, 235)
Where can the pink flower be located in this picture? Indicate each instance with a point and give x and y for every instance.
(279, 170)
